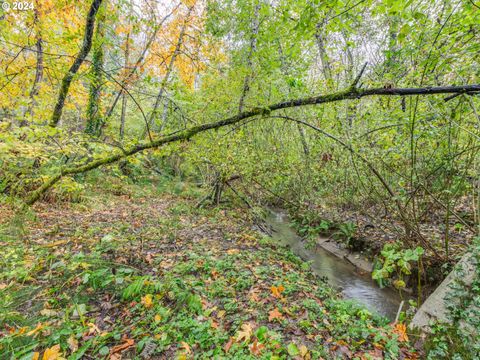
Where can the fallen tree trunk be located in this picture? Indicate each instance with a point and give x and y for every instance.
(350, 93)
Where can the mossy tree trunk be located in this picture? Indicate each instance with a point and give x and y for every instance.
(94, 113)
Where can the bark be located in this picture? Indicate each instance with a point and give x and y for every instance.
(350, 93)
(94, 116)
(351, 108)
(327, 70)
(158, 100)
(67, 79)
(252, 50)
(124, 96)
(38, 69)
(301, 132)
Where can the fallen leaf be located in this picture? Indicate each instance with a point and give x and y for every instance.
(147, 301)
(48, 312)
(401, 330)
(275, 315)
(253, 295)
(52, 353)
(128, 343)
(245, 333)
(149, 258)
(36, 355)
(158, 318)
(343, 351)
(56, 243)
(228, 345)
(232, 251)
(36, 330)
(92, 329)
(186, 347)
(277, 291)
(256, 348)
(376, 354)
(304, 351)
(72, 343)
(20, 331)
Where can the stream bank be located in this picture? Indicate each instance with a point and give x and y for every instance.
(348, 272)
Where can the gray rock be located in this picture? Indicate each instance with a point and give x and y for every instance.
(434, 308)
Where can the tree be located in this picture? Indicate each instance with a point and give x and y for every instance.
(94, 112)
(67, 79)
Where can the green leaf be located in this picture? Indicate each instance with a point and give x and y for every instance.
(104, 351)
(292, 349)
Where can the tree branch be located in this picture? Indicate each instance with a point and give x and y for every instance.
(351, 93)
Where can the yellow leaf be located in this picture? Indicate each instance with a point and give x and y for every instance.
(56, 243)
(147, 301)
(189, 3)
(36, 355)
(20, 331)
(277, 291)
(401, 330)
(34, 331)
(92, 329)
(158, 318)
(52, 353)
(303, 351)
(399, 284)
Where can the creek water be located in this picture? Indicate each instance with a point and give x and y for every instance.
(340, 273)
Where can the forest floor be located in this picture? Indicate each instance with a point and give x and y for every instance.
(141, 273)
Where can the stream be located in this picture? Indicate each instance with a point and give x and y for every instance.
(339, 272)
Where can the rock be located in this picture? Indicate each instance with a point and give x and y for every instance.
(434, 308)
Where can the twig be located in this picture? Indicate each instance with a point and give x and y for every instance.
(399, 311)
(360, 74)
(448, 98)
